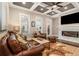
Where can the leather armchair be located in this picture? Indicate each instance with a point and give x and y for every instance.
(52, 39)
(41, 35)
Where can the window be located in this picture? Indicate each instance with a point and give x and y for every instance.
(39, 24)
(24, 23)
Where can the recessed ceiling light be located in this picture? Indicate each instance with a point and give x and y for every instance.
(52, 12)
(54, 6)
(41, 9)
(65, 7)
(23, 2)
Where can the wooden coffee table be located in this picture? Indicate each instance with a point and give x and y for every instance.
(38, 40)
(41, 41)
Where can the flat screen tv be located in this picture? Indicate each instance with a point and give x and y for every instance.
(70, 19)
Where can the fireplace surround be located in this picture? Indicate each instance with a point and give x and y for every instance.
(71, 34)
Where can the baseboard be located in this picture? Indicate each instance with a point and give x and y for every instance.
(68, 42)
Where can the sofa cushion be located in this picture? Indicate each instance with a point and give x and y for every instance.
(4, 51)
(14, 46)
(1, 50)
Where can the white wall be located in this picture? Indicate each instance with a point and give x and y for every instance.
(0, 14)
(14, 18)
(57, 22)
(56, 26)
(49, 22)
(3, 16)
(68, 27)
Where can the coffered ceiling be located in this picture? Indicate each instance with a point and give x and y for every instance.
(40, 9)
(26, 5)
(48, 8)
(69, 7)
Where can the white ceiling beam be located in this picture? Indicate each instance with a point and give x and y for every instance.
(74, 10)
(48, 11)
(57, 11)
(43, 5)
(64, 3)
(75, 4)
(56, 15)
(35, 5)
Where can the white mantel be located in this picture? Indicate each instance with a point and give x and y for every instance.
(69, 27)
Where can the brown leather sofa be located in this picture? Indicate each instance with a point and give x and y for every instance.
(37, 51)
(11, 48)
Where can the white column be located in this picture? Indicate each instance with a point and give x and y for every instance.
(3, 15)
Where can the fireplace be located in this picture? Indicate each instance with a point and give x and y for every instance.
(70, 33)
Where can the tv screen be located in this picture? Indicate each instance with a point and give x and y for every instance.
(70, 19)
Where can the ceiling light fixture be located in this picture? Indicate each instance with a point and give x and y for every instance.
(23, 2)
(41, 9)
(52, 12)
(54, 6)
(65, 7)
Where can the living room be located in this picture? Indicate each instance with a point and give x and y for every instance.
(39, 26)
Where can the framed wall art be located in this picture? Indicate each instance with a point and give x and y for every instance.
(33, 23)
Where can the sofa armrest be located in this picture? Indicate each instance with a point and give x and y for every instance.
(32, 52)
